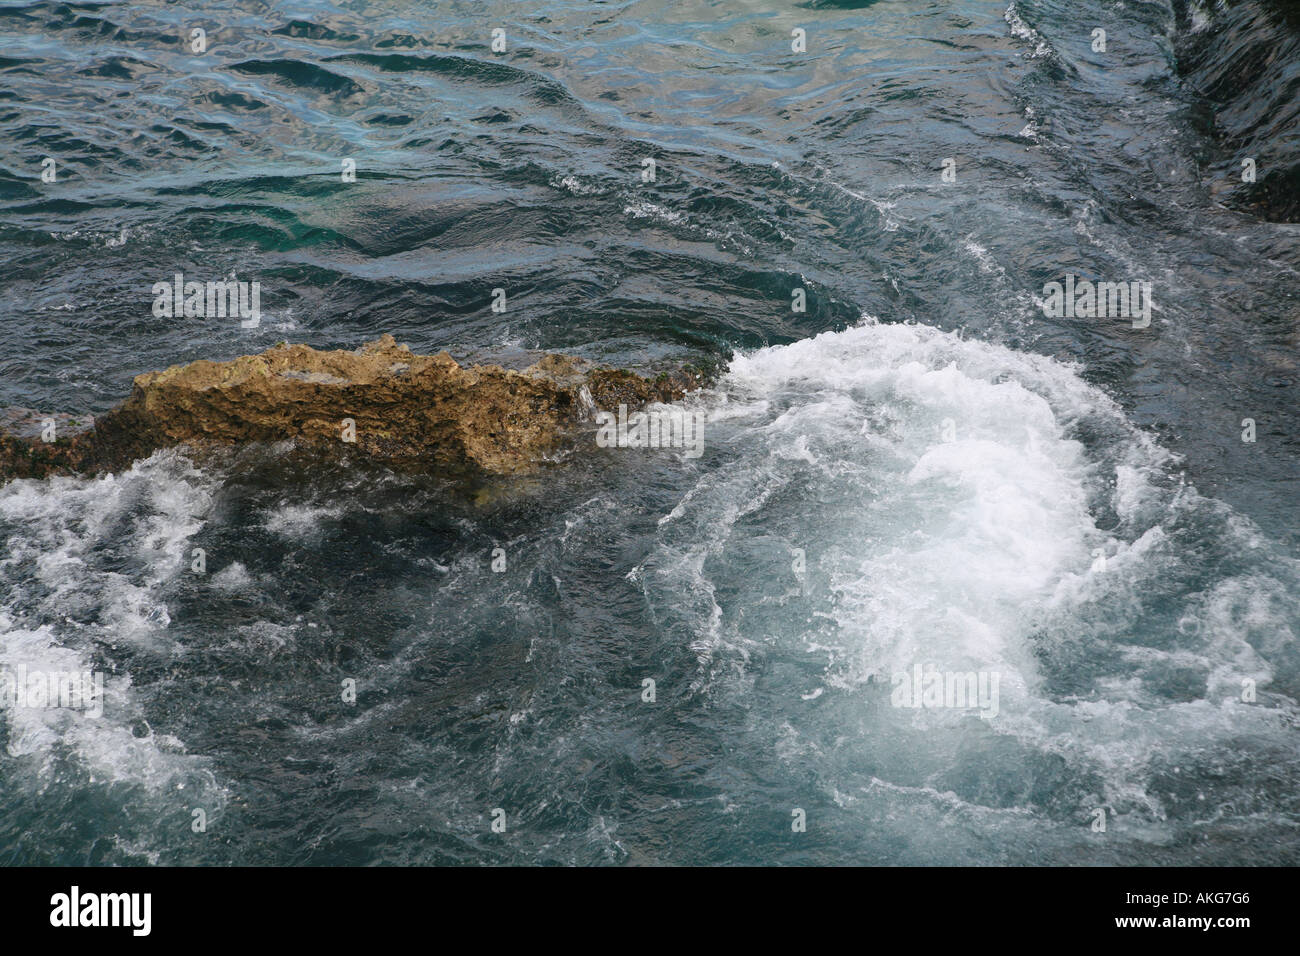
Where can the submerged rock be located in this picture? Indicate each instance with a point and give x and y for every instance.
(407, 410)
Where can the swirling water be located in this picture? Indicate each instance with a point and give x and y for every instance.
(921, 468)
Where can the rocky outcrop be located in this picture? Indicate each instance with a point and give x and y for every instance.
(407, 410)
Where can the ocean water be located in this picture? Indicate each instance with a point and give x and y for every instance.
(920, 470)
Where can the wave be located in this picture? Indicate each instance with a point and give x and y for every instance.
(966, 508)
(1243, 60)
(300, 76)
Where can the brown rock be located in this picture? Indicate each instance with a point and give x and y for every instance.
(422, 411)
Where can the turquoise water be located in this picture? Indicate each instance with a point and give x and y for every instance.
(922, 468)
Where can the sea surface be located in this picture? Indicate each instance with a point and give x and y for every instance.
(920, 469)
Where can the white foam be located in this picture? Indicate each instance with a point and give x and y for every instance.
(233, 577)
(951, 515)
(1024, 32)
(300, 522)
(89, 558)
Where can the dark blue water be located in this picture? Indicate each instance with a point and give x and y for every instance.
(921, 468)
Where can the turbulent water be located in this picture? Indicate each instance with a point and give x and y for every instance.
(921, 469)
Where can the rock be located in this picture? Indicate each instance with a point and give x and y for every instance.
(407, 410)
